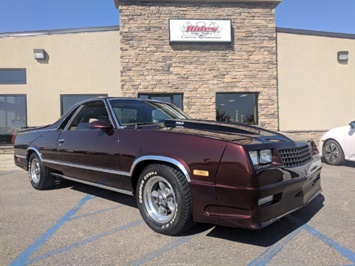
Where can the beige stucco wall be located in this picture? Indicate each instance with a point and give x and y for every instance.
(315, 91)
(79, 63)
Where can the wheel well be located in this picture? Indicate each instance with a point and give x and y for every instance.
(29, 152)
(331, 139)
(139, 168)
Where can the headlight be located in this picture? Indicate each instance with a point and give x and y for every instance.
(254, 157)
(261, 157)
(265, 156)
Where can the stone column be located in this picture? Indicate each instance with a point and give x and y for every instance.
(150, 64)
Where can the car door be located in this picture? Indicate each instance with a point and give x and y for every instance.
(349, 143)
(90, 154)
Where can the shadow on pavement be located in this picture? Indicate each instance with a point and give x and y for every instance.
(274, 232)
(349, 163)
(264, 237)
(105, 194)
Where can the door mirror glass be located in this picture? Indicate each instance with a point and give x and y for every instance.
(101, 124)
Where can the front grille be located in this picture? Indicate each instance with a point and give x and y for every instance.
(296, 156)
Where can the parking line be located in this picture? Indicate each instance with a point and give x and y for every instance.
(84, 242)
(270, 252)
(347, 253)
(96, 212)
(27, 253)
(154, 254)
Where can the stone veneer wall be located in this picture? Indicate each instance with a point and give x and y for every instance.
(150, 64)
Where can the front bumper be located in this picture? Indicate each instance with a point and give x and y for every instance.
(239, 207)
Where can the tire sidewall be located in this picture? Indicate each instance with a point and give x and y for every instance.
(39, 184)
(340, 159)
(173, 226)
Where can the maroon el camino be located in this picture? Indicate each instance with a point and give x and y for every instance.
(180, 170)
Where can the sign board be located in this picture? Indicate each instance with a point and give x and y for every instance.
(200, 30)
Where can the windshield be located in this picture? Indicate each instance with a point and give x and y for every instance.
(130, 112)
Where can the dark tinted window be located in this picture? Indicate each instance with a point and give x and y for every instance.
(13, 117)
(237, 107)
(175, 99)
(89, 113)
(67, 101)
(13, 76)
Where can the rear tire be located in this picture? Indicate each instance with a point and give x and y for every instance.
(164, 199)
(38, 174)
(333, 153)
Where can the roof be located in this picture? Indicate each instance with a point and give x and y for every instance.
(117, 28)
(316, 33)
(59, 31)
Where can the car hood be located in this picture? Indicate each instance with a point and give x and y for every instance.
(234, 132)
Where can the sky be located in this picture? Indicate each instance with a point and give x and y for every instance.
(32, 15)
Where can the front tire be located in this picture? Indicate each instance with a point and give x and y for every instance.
(333, 153)
(164, 199)
(38, 174)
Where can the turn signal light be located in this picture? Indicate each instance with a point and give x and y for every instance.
(314, 148)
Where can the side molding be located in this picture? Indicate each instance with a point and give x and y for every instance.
(159, 158)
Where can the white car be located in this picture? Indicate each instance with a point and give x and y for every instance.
(338, 145)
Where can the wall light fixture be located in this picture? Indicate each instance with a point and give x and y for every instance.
(39, 54)
(343, 57)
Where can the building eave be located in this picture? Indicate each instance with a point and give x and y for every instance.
(59, 31)
(206, 1)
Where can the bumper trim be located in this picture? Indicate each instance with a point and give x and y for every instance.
(267, 223)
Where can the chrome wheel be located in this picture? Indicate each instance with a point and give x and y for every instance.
(159, 199)
(164, 199)
(38, 174)
(333, 154)
(35, 171)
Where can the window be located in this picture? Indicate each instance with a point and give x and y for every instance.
(237, 107)
(68, 100)
(89, 113)
(130, 112)
(12, 76)
(13, 117)
(175, 99)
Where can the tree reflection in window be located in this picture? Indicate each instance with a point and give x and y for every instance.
(237, 107)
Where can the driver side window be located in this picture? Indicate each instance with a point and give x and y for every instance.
(91, 112)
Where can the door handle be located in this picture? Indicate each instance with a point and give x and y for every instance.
(61, 141)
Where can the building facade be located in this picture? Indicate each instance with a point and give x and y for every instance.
(76, 64)
(316, 80)
(284, 79)
(237, 80)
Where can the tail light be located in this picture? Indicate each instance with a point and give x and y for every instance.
(314, 148)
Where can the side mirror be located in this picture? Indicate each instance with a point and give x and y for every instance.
(352, 124)
(101, 124)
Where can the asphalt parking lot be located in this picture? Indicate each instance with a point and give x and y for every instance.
(78, 224)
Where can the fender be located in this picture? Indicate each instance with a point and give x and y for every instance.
(34, 149)
(160, 158)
